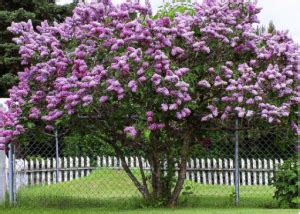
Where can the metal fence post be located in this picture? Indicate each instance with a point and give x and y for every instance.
(236, 159)
(3, 174)
(10, 175)
(56, 154)
(14, 176)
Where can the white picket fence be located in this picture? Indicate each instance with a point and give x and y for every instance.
(205, 171)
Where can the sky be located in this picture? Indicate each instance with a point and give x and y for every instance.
(3, 106)
(285, 14)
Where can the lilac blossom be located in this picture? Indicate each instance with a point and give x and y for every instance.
(131, 131)
(204, 84)
(137, 59)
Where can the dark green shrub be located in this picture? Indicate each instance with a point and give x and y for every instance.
(287, 183)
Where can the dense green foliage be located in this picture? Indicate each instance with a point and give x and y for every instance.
(16, 11)
(287, 184)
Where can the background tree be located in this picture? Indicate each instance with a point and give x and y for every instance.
(153, 86)
(16, 11)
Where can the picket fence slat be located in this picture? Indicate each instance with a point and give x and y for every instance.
(65, 167)
(187, 172)
(88, 165)
(271, 167)
(209, 172)
(176, 172)
(226, 172)
(266, 177)
(110, 163)
(126, 161)
(243, 172)
(25, 174)
(231, 172)
(76, 166)
(198, 176)
(32, 174)
(204, 181)
(71, 172)
(37, 177)
(132, 162)
(254, 173)
(58, 171)
(249, 177)
(215, 172)
(43, 172)
(82, 163)
(260, 175)
(115, 162)
(220, 173)
(48, 166)
(104, 162)
(206, 171)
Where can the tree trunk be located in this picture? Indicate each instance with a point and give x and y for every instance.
(170, 175)
(155, 177)
(155, 167)
(182, 172)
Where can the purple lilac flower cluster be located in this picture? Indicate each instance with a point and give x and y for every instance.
(103, 54)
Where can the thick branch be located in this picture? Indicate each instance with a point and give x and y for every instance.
(125, 166)
(181, 177)
(144, 180)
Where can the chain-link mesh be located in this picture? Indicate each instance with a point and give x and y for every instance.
(90, 174)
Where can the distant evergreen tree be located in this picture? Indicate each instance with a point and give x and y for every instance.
(271, 28)
(22, 10)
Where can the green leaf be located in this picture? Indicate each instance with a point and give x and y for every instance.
(296, 200)
(147, 134)
(30, 125)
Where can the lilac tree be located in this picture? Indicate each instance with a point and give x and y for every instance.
(153, 84)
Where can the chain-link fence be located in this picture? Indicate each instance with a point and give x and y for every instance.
(79, 174)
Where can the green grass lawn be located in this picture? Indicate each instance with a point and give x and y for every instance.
(111, 191)
(148, 211)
